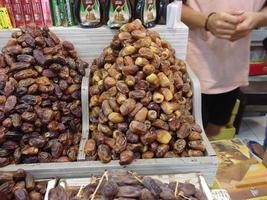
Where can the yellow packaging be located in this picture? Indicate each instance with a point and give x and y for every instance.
(1, 27)
(4, 19)
(1, 21)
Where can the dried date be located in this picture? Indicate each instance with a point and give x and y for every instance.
(152, 186)
(57, 193)
(10, 103)
(110, 189)
(104, 153)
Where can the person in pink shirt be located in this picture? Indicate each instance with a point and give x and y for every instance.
(218, 52)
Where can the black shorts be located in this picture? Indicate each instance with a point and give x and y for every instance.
(217, 108)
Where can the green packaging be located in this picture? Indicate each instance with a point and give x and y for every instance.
(118, 12)
(69, 13)
(72, 6)
(63, 12)
(55, 13)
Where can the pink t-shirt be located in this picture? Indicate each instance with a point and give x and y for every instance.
(220, 65)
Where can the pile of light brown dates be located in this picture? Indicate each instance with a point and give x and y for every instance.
(140, 101)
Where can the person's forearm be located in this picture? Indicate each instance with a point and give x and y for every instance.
(262, 17)
(192, 18)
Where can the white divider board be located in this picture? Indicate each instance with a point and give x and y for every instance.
(89, 43)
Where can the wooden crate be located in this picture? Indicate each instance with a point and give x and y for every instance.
(89, 44)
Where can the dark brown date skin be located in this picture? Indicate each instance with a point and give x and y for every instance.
(6, 187)
(110, 189)
(126, 157)
(10, 103)
(29, 181)
(6, 176)
(188, 189)
(57, 193)
(21, 194)
(19, 175)
(57, 150)
(152, 186)
(146, 195)
(129, 192)
(40, 80)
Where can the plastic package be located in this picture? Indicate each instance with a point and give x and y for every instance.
(174, 11)
(118, 12)
(162, 11)
(146, 11)
(88, 13)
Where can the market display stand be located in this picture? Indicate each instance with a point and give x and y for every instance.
(89, 43)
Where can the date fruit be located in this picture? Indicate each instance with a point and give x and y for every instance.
(141, 91)
(40, 80)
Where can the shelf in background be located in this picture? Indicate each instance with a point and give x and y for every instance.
(259, 35)
(258, 78)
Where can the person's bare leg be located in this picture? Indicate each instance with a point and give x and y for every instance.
(212, 130)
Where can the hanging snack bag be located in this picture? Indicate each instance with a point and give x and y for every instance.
(88, 13)
(118, 12)
(146, 11)
(162, 11)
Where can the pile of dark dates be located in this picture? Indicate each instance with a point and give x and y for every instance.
(123, 185)
(40, 98)
(21, 185)
(140, 101)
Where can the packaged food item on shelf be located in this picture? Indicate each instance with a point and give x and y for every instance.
(174, 12)
(18, 13)
(146, 11)
(5, 22)
(27, 11)
(162, 11)
(47, 13)
(63, 12)
(72, 7)
(89, 13)
(140, 101)
(38, 12)
(40, 106)
(118, 12)
(7, 4)
(55, 13)
(69, 14)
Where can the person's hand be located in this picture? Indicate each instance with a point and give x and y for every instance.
(249, 21)
(223, 25)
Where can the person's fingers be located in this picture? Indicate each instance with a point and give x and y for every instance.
(225, 31)
(229, 18)
(226, 37)
(243, 26)
(237, 12)
(225, 25)
(238, 36)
